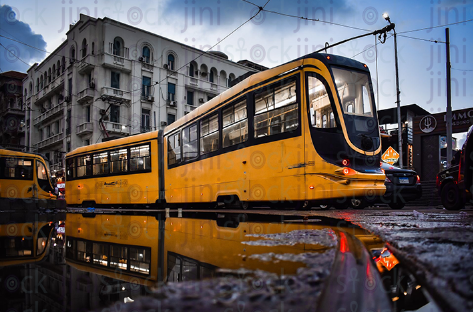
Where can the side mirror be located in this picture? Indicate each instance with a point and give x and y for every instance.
(30, 189)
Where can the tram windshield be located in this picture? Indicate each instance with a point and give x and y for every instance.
(43, 176)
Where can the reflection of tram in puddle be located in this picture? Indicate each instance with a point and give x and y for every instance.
(134, 255)
(24, 242)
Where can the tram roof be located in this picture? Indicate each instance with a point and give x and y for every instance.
(254, 79)
(115, 143)
(7, 152)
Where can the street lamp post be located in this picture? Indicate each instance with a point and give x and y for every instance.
(398, 92)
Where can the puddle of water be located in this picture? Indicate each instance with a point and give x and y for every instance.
(138, 263)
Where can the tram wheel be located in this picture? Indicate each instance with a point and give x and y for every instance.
(324, 207)
(358, 203)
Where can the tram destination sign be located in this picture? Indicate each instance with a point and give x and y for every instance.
(437, 123)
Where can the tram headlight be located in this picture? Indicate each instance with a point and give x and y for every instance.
(345, 162)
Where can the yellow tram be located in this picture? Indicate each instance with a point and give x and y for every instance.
(300, 134)
(25, 181)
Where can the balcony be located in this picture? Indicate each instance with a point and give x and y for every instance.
(85, 128)
(193, 81)
(55, 111)
(213, 86)
(147, 66)
(55, 139)
(85, 65)
(85, 95)
(116, 62)
(13, 111)
(57, 84)
(117, 93)
(113, 127)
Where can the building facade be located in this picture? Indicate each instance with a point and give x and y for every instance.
(109, 80)
(12, 115)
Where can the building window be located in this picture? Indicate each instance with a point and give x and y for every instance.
(209, 134)
(87, 113)
(73, 55)
(235, 124)
(211, 76)
(41, 82)
(114, 113)
(115, 80)
(63, 64)
(84, 48)
(171, 91)
(118, 46)
(171, 62)
(68, 122)
(189, 142)
(146, 54)
(69, 86)
(37, 85)
(93, 48)
(171, 118)
(190, 97)
(87, 142)
(276, 110)
(68, 146)
(146, 87)
(174, 148)
(145, 117)
(191, 70)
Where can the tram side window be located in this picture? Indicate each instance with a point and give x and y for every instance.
(101, 163)
(276, 110)
(118, 161)
(209, 134)
(16, 168)
(83, 251)
(321, 113)
(235, 124)
(84, 166)
(70, 168)
(189, 142)
(70, 248)
(118, 257)
(140, 259)
(174, 149)
(100, 254)
(140, 158)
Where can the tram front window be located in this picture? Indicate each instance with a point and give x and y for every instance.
(356, 100)
(354, 91)
(43, 177)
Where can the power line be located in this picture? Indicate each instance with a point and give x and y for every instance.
(203, 52)
(304, 18)
(429, 40)
(468, 70)
(432, 27)
(369, 47)
(14, 54)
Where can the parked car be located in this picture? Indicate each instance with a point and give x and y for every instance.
(454, 183)
(402, 185)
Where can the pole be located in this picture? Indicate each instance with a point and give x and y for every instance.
(398, 102)
(449, 101)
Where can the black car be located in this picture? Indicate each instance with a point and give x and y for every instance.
(454, 184)
(402, 185)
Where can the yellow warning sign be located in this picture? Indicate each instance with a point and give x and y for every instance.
(390, 156)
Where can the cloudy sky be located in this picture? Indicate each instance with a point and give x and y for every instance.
(271, 39)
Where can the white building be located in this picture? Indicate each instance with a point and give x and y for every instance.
(109, 79)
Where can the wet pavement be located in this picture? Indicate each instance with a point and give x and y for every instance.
(255, 260)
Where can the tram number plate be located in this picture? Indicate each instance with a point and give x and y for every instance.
(403, 180)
